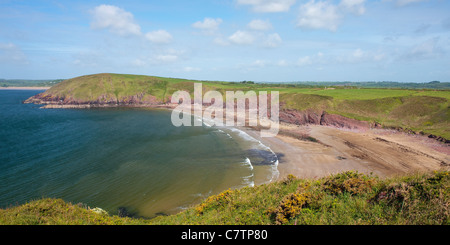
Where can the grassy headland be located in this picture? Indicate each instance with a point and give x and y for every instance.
(345, 198)
(414, 110)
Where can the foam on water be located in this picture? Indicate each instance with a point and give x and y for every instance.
(257, 144)
(249, 163)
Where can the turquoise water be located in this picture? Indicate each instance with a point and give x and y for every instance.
(120, 159)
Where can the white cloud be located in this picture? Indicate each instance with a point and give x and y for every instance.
(357, 54)
(89, 58)
(316, 59)
(208, 25)
(259, 63)
(166, 58)
(320, 15)
(282, 63)
(115, 19)
(273, 40)
(191, 69)
(242, 37)
(138, 62)
(353, 6)
(220, 41)
(303, 61)
(379, 57)
(159, 37)
(406, 2)
(425, 50)
(326, 15)
(267, 6)
(259, 25)
(10, 53)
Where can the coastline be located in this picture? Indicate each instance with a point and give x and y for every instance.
(322, 150)
(382, 152)
(24, 88)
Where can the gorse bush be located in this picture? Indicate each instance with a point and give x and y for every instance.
(340, 199)
(214, 201)
(349, 182)
(290, 206)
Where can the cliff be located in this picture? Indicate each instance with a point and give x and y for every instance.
(411, 111)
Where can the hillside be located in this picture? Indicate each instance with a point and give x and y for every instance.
(343, 199)
(414, 111)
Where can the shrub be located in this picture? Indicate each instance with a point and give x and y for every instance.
(290, 206)
(214, 201)
(404, 194)
(349, 182)
(289, 179)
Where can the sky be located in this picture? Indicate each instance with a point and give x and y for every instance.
(228, 40)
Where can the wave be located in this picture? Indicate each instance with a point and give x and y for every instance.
(248, 180)
(257, 144)
(273, 158)
(249, 163)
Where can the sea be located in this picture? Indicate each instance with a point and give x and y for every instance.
(126, 161)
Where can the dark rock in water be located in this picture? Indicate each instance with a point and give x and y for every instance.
(265, 157)
(124, 212)
(161, 214)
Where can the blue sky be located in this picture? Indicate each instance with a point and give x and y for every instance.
(228, 40)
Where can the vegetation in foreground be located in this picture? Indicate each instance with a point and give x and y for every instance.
(345, 198)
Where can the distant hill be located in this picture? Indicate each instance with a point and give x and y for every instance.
(28, 83)
(301, 84)
(428, 85)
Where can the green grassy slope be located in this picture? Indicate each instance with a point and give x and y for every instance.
(346, 198)
(419, 110)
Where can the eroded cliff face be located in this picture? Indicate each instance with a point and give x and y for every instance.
(292, 116)
(321, 118)
(55, 101)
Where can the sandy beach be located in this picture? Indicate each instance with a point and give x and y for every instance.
(24, 88)
(381, 152)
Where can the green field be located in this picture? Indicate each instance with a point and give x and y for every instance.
(346, 198)
(416, 109)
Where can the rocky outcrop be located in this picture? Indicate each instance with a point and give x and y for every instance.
(326, 119)
(55, 101)
(439, 138)
(321, 118)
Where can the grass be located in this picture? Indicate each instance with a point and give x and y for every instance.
(418, 110)
(348, 198)
(58, 212)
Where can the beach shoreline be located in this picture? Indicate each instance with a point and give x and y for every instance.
(381, 152)
(315, 151)
(324, 150)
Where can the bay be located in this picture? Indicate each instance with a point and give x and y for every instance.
(132, 161)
